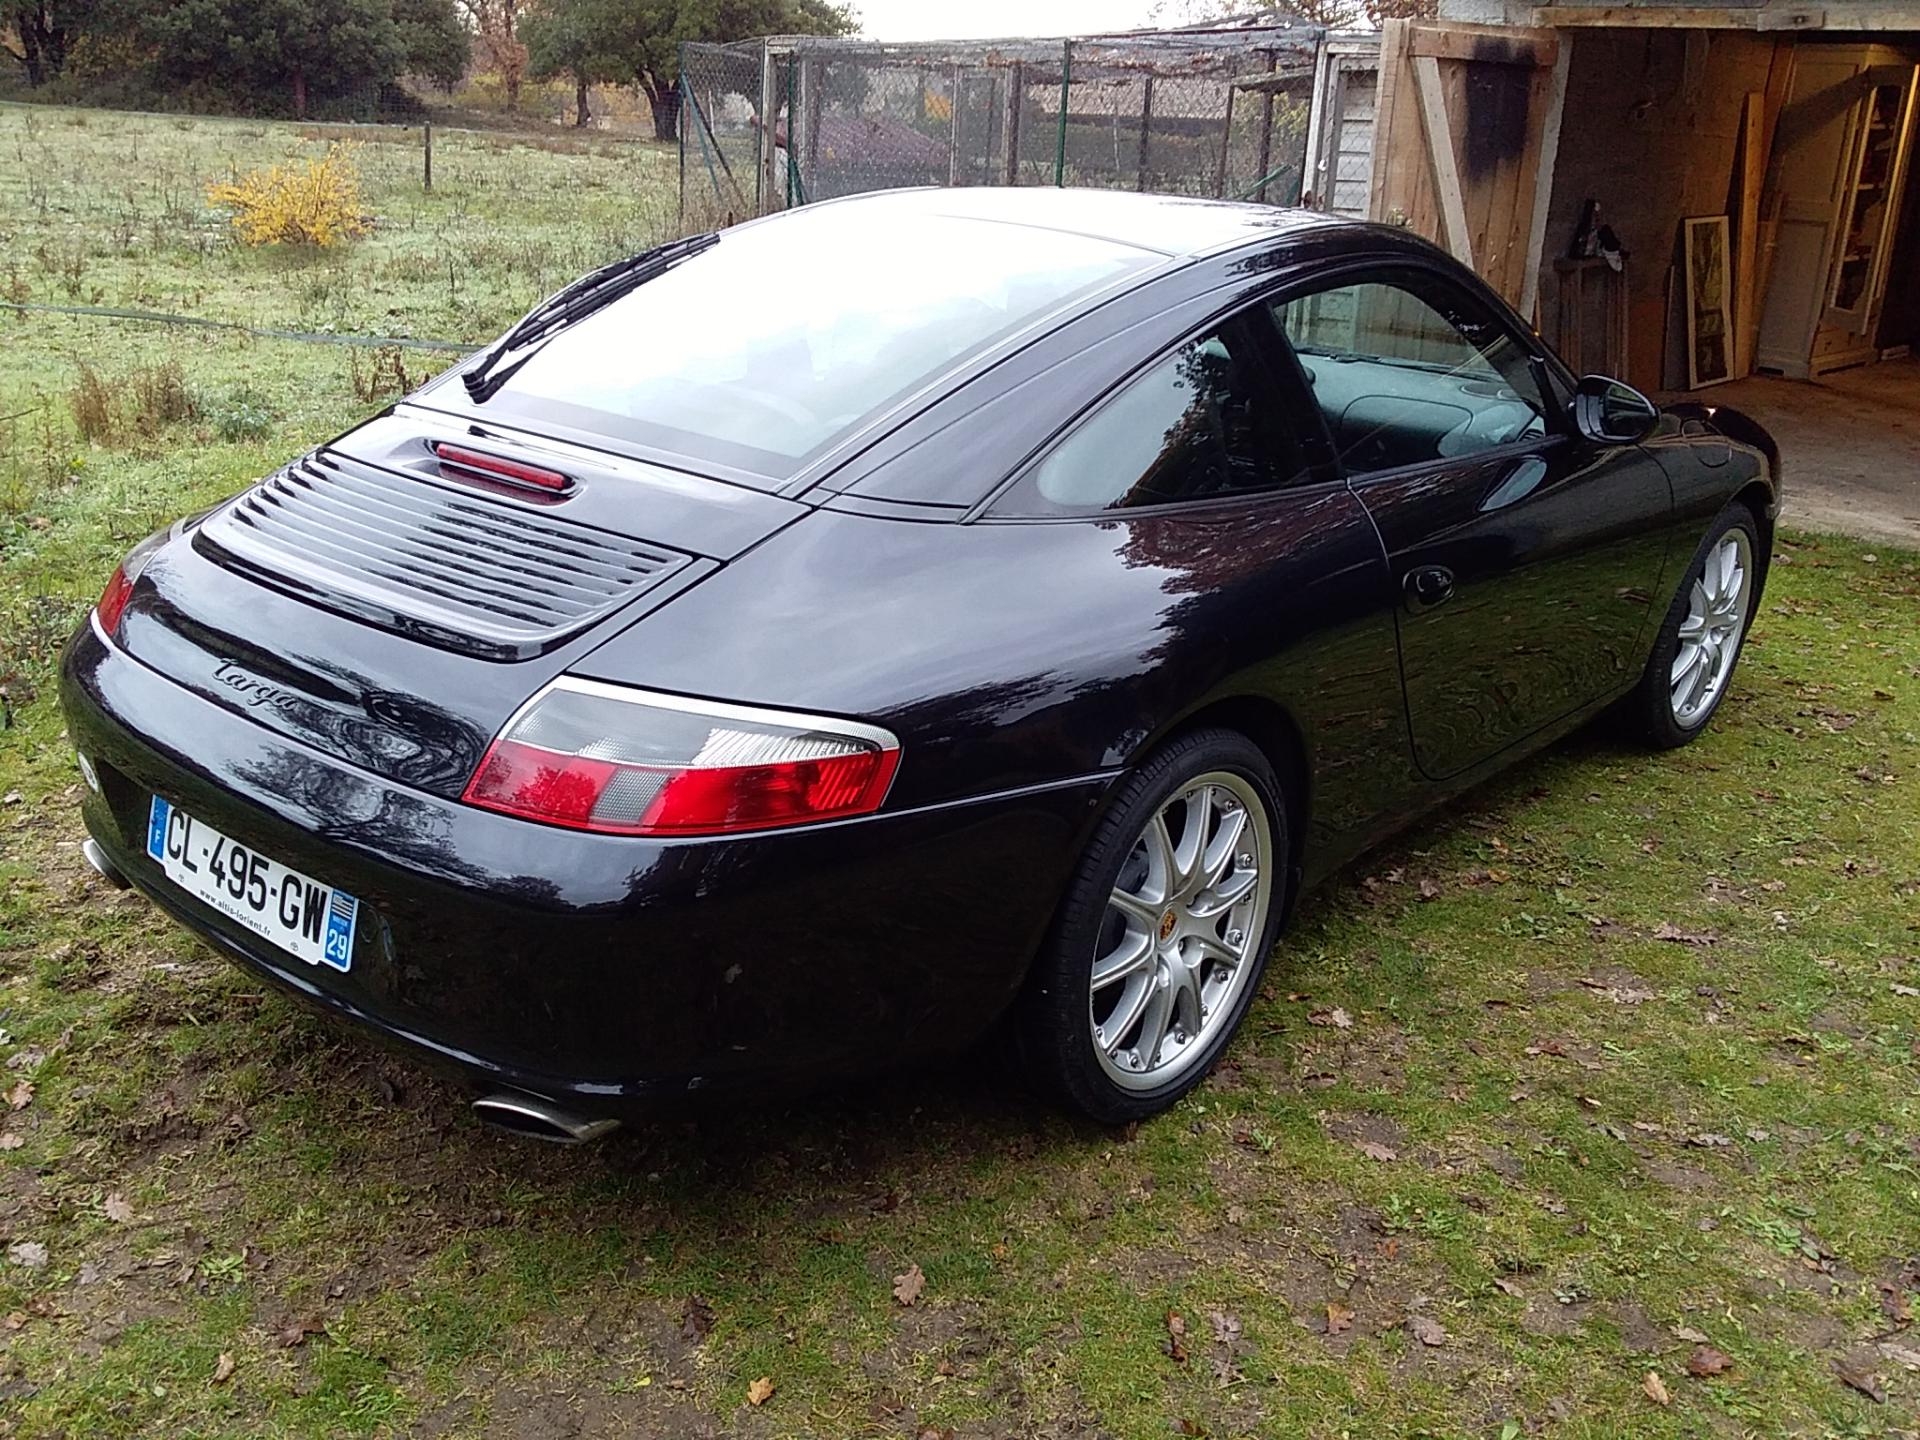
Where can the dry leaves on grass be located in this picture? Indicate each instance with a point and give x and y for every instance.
(1337, 1018)
(11, 1141)
(1374, 1150)
(760, 1391)
(1901, 1355)
(908, 1284)
(1689, 1334)
(1857, 1378)
(1176, 1337)
(696, 1320)
(295, 1335)
(1705, 1361)
(1672, 933)
(20, 1095)
(223, 1368)
(117, 1208)
(30, 1254)
(1655, 1388)
(1427, 1330)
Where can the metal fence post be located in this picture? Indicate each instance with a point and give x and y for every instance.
(426, 158)
(1066, 92)
(953, 131)
(1016, 102)
(1146, 131)
(763, 178)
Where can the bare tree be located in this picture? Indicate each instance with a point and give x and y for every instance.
(496, 32)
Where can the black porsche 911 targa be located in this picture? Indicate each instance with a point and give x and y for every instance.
(793, 650)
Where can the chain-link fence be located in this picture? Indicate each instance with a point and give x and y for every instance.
(1213, 113)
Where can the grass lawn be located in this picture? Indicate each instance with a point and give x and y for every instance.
(1613, 1069)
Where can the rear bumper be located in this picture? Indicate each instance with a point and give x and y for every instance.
(597, 970)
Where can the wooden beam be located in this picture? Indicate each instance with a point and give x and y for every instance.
(1854, 15)
(1389, 117)
(1486, 45)
(1752, 175)
(1543, 181)
(1446, 167)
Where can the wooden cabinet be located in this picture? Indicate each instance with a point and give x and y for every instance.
(1840, 156)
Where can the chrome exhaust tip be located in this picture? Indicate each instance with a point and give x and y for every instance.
(102, 866)
(538, 1119)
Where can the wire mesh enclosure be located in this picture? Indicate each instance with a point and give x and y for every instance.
(1219, 113)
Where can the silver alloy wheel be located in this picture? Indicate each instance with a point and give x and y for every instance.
(1710, 635)
(1176, 943)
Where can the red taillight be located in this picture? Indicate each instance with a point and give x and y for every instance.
(498, 467)
(600, 757)
(113, 601)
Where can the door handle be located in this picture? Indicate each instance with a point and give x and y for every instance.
(1428, 586)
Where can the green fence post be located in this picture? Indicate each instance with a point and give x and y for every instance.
(1066, 90)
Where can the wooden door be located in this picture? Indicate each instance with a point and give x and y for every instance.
(1464, 142)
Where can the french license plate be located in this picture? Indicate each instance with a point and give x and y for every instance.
(310, 921)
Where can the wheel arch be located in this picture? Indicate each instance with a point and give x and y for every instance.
(1277, 734)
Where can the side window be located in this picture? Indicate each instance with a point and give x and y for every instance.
(1198, 424)
(1407, 369)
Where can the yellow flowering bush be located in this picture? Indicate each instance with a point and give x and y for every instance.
(314, 204)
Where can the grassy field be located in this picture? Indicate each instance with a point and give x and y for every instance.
(1612, 1072)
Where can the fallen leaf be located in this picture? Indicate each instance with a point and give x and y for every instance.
(223, 1368)
(1336, 1017)
(29, 1253)
(1909, 991)
(696, 1319)
(1339, 1319)
(1901, 1355)
(908, 1284)
(11, 1141)
(1189, 1427)
(1429, 890)
(1895, 1306)
(1236, 1214)
(296, 1334)
(1427, 1330)
(1507, 1287)
(1706, 1361)
(760, 1391)
(1176, 1333)
(117, 1208)
(1656, 1389)
(21, 1095)
(1667, 931)
(1689, 1334)
(1374, 1150)
(1226, 1327)
(1856, 1378)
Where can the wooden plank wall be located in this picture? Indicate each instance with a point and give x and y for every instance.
(1495, 94)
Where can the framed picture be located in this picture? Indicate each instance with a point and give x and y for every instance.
(1709, 300)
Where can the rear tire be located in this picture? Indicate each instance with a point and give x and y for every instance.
(1164, 932)
(1705, 629)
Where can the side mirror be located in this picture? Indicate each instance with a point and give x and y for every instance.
(1611, 413)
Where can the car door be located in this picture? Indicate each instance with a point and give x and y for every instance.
(1192, 485)
(1526, 560)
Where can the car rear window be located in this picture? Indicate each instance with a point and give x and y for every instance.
(761, 352)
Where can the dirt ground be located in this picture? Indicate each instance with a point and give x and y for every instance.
(1850, 447)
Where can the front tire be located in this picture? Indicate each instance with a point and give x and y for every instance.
(1161, 940)
(1693, 659)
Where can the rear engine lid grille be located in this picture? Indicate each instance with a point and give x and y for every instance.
(457, 568)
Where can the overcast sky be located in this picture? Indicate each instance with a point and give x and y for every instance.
(981, 19)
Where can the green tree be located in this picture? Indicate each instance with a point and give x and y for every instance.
(274, 49)
(437, 43)
(47, 31)
(637, 42)
(579, 39)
